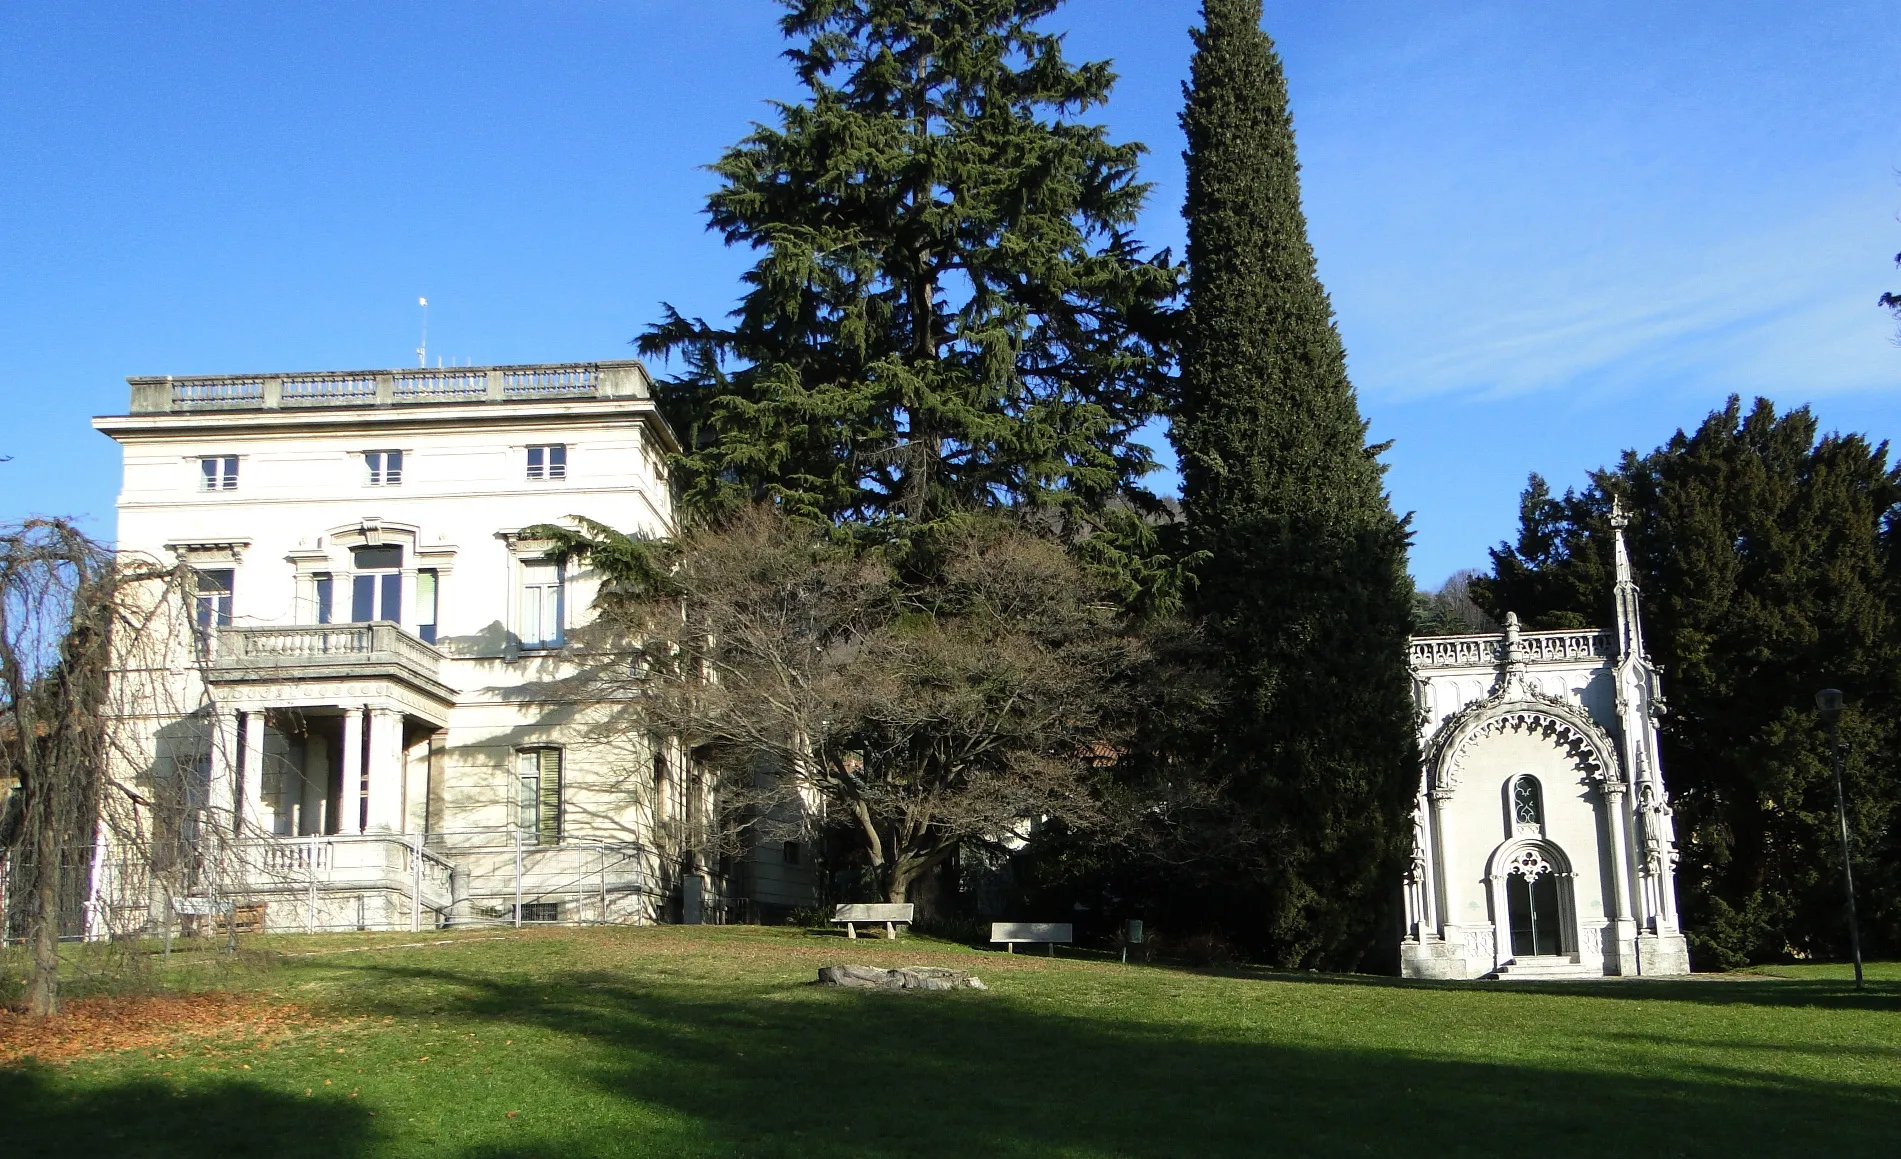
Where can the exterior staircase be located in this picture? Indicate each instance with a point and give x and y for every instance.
(1544, 968)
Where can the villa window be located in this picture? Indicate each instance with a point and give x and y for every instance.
(541, 604)
(428, 592)
(549, 461)
(538, 794)
(540, 912)
(218, 473)
(326, 586)
(386, 467)
(215, 589)
(1528, 806)
(376, 590)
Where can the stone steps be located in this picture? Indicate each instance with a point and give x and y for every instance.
(1528, 969)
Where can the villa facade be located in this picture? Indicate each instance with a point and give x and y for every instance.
(376, 725)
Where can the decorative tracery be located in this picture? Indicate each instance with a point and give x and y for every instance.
(1529, 864)
(1528, 806)
(1573, 732)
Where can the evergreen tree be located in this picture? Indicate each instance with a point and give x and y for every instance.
(1305, 590)
(947, 312)
(1767, 558)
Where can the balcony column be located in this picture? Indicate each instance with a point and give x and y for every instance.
(221, 792)
(386, 770)
(251, 775)
(350, 795)
(315, 787)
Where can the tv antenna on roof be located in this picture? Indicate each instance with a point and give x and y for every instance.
(422, 348)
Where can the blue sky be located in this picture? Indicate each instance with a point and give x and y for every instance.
(1550, 231)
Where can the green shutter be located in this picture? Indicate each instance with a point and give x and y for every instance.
(548, 820)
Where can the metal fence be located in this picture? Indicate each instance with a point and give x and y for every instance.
(458, 878)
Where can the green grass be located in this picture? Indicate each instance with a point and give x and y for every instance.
(697, 1041)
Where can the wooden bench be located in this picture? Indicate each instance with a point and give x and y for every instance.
(871, 913)
(1048, 933)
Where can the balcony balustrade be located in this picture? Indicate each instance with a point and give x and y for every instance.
(287, 865)
(323, 646)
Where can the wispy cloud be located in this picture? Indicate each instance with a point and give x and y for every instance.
(1781, 308)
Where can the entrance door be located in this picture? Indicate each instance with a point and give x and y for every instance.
(1536, 926)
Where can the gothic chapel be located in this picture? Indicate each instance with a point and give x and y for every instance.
(1542, 840)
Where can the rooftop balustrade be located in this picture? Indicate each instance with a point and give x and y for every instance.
(1488, 651)
(381, 388)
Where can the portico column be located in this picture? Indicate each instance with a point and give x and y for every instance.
(1620, 855)
(252, 774)
(1442, 844)
(349, 797)
(221, 792)
(386, 770)
(1623, 930)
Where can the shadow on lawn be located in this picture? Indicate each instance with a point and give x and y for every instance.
(42, 1118)
(791, 1070)
(1709, 990)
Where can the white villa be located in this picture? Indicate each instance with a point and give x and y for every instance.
(1542, 839)
(372, 733)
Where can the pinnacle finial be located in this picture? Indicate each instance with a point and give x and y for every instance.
(1620, 518)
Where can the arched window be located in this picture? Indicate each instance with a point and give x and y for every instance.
(1528, 802)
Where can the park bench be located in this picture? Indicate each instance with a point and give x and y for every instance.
(1048, 933)
(870, 914)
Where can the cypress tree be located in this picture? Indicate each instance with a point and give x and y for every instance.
(1305, 590)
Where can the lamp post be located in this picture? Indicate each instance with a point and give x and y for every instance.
(1829, 701)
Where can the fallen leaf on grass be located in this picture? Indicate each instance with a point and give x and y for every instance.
(100, 1025)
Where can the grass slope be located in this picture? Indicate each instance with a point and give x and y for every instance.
(700, 1041)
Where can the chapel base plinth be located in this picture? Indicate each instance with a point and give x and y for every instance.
(1663, 955)
(1432, 959)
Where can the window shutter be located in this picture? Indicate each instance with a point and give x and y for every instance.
(548, 820)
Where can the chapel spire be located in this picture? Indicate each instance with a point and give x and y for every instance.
(1630, 629)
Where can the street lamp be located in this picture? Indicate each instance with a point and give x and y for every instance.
(1829, 700)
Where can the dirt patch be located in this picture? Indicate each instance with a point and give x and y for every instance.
(100, 1025)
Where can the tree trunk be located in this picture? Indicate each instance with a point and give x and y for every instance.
(42, 995)
(898, 878)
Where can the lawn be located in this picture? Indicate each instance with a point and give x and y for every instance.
(711, 1041)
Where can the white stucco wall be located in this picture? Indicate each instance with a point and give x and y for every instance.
(305, 497)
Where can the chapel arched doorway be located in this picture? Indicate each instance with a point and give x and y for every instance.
(1533, 901)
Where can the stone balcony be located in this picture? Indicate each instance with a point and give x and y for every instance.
(327, 652)
(558, 381)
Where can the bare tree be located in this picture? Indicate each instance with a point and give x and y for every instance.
(1451, 611)
(56, 590)
(88, 642)
(969, 694)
